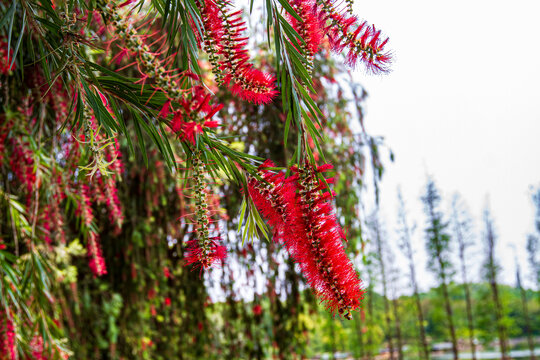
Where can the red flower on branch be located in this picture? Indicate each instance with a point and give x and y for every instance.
(205, 255)
(360, 40)
(226, 45)
(193, 115)
(310, 27)
(6, 58)
(302, 217)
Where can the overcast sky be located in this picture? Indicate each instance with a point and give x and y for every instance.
(462, 104)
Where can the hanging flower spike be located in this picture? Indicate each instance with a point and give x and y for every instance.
(96, 261)
(148, 63)
(274, 197)
(7, 338)
(303, 220)
(197, 109)
(362, 41)
(227, 51)
(310, 28)
(5, 61)
(203, 251)
(213, 32)
(325, 264)
(93, 247)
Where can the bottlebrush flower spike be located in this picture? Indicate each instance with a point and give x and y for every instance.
(84, 212)
(274, 197)
(148, 62)
(226, 45)
(7, 338)
(303, 219)
(194, 115)
(6, 58)
(310, 28)
(203, 251)
(362, 41)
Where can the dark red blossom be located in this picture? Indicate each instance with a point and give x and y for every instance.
(310, 28)
(7, 338)
(93, 246)
(22, 163)
(6, 57)
(226, 43)
(300, 212)
(361, 41)
(193, 115)
(204, 250)
(205, 255)
(257, 309)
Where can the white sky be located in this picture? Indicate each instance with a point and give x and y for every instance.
(463, 104)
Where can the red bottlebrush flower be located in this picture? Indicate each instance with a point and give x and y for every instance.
(257, 310)
(310, 28)
(252, 85)
(165, 110)
(203, 251)
(362, 41)
(166, 272)
(168, 301)
(200, 113)
(36, 347)
(273, 199)
(5, 58)
(22, 163)
(96, 262)
(229, 57)
(7, 338)
(205, 255)
(191, 130)
(113, 205)
(84, 209)
(303, 219)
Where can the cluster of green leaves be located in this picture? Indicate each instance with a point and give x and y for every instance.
(25, 283)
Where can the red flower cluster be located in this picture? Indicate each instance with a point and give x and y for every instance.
(84, 211)
(302, 218)
(7, 338)
(5, 60)
(226, 45)
(204, 255)
(22, 163)
(360, 40)
(193, 115)
(203, 251)
(310, 28)
(364, 43)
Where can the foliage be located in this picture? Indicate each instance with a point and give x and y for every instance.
(132, 129)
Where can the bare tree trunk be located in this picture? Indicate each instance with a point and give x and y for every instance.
(406, 248)
(358, 322)
(491, 268)
(425, 349)
(462, 226)
(378, 239)
(449, 316)
(370, 316)
(498, 313)
(438, 243)
(397, 323)
(470, 322)
(525, 306)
